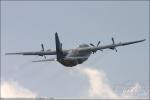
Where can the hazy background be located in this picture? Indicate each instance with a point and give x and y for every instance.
(27, 24)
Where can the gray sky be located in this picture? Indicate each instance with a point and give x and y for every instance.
(25, 25)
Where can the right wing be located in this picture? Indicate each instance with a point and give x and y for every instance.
(111, 46)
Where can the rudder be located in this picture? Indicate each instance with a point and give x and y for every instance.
(59, 51)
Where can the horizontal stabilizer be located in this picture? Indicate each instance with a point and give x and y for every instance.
(74, 58)
(53, 59)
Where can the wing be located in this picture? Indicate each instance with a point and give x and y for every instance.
(112, 46)
(40, 53)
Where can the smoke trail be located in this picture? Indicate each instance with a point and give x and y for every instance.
(99, 86)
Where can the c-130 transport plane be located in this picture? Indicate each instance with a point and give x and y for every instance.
(73, 57)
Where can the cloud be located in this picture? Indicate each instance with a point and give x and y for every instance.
(135, 92)
(100, 88)
(11, 89)
(132, 91)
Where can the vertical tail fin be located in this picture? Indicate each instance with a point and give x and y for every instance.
(59, 51)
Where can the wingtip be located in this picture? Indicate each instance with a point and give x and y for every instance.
(7, 53)
(143, 40)
(11, 53)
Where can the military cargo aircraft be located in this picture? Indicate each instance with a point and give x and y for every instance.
(73, 57)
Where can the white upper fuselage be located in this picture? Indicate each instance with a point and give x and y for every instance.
(80, 55)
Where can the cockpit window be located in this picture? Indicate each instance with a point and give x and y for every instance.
(83, 45)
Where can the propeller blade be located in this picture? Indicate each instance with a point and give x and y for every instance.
(93, 52)
(95, 46)
(43, 50)
(98, 43)
(116, 49)
(42, 47)
(44, 56)
(113, 40)
(92, 44)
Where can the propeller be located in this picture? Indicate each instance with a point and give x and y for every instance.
(43, 50)
(42, 47)
(95, 46)
(113, 40)
(114, 48)
(98, 43)
(92, 44)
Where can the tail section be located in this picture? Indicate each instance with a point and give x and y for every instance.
(59, 51)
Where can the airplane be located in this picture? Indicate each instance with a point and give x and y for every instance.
(73, 57)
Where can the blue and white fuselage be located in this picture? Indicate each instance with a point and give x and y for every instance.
(80, 56)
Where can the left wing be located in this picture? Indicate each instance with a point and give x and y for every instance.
(40, 53)
(111, 46)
